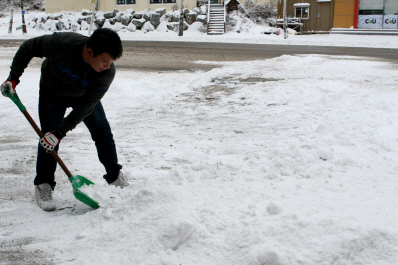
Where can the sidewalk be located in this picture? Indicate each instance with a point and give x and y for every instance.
(364, 31)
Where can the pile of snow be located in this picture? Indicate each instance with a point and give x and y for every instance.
(291, 160)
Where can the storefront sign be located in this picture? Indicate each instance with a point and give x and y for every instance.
(370, 21)
(390, 22)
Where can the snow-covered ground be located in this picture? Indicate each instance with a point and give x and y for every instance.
(252, 34)
(291, 160)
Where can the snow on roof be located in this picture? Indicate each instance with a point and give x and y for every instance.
(302, 4)
(227, 2)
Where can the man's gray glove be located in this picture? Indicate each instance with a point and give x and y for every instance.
(10, 85)
(50, 140)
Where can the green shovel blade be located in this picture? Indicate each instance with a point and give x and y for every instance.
(77, 182)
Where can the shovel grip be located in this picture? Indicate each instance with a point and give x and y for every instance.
(55, 155)
(22, 108)
(15, 99)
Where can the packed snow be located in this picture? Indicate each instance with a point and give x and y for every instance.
(290, 160)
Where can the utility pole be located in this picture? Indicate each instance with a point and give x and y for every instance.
(93, 16)
(11, 17)
(284, 19)
(181, 26)
(23, 19)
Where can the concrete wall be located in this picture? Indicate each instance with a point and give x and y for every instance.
(344, 13)
(53, 6)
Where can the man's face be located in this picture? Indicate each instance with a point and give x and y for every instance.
(101, 62)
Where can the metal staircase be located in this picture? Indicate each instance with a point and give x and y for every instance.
(216, 19)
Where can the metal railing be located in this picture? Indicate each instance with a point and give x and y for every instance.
(208, 13)
(225, 17)
(225, 12)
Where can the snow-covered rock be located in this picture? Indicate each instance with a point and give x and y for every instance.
(126, 19)
(147, 26)
(155, 19)
(131, 27)
(162, 27)
(201, 18)
(138, 22)
(161, 11)
(191, 17)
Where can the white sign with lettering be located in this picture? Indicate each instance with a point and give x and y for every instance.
(390, 21)
(370, 21)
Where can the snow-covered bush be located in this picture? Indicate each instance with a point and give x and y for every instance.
(248, 15)
(5, 5)
(239, 22)
(175, 7)
(258, 12)
(34, 5)
(2, 14)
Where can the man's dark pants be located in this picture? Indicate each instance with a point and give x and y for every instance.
(52, 109)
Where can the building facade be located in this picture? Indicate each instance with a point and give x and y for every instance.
(377, 14)
(315, 15)
(323, 15)
(53, 6)
(365, 14)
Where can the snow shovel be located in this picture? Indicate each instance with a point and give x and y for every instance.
(77, 181)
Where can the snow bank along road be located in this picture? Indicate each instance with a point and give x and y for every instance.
(171, 55)
(153, 55)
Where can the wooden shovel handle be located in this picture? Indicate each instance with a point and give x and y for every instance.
(55, 155)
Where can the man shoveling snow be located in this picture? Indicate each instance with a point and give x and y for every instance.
(76, 73)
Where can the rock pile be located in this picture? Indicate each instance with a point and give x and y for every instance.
(128, 20)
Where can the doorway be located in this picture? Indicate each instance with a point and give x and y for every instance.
(324, 18)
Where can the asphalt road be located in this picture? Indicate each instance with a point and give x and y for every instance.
(171, 56)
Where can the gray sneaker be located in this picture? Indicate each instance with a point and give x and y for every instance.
(44, 197)
(121, 181)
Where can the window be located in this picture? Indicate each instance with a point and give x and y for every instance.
(162, 1)
(125, 2)
(371, 4)
(302, 10)
(391, 7)
(370, 12)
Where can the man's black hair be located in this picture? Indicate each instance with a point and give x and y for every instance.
(105, 40)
